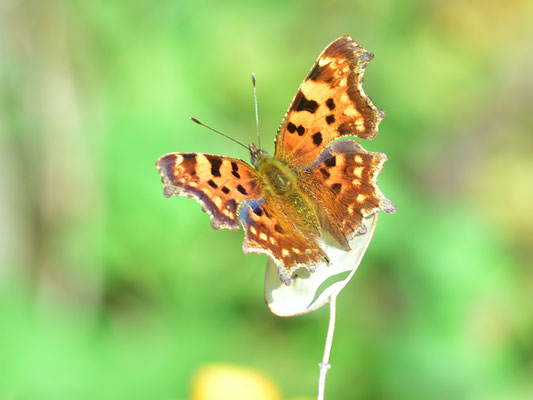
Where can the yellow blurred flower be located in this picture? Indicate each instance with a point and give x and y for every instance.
(229, 382)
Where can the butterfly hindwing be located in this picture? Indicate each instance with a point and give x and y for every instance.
(268, 230)
(220, 184)
(343, 181)
(329, 104)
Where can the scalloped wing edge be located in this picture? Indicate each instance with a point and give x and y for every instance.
(363, 59)
(170, 189)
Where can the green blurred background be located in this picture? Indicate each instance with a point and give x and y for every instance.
(110, 291)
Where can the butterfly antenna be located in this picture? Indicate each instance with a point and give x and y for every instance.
(220, 133)
(256, 113)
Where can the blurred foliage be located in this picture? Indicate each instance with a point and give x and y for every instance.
(110, 291)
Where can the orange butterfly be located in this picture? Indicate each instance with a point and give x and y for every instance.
(313, 183)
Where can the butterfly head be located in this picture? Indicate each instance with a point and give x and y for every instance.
(256, 154)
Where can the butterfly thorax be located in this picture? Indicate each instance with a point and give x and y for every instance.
(281, 182)
(276, 176)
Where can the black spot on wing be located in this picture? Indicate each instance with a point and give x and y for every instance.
(278, 228)
(291, 127)
(189, 156)
(234, 169)
(330, 103)
(242, 190)
(324, 173)
(336, 188)
(216, 162)
(317, 138)
(301, 103)
(211, 183)
(258, 211)
(300, 130)
(330, 162)
(225, 190)
(330, 119)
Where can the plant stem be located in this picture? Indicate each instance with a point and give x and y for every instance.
(324, 366)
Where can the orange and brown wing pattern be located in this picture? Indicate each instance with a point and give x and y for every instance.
(220, 184)
(343, 182)
(268, 230)
(330, 103)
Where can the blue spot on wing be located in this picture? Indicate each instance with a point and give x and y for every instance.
(247, 207)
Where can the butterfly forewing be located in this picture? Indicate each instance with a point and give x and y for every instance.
(220, 184)
(329, 104)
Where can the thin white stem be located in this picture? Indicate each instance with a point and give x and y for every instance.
(324, 366)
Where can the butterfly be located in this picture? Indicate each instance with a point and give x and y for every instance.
(319, 180)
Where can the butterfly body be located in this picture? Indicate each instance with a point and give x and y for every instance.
(277, 177)
(281, 184)
(318, 181)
